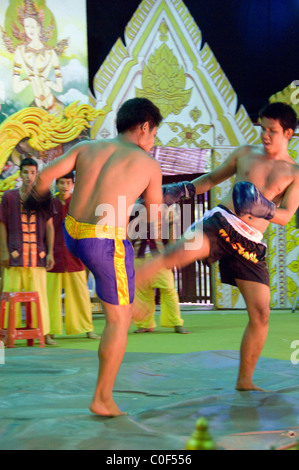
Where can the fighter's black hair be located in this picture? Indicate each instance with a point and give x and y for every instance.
(281, 112)
(136, 111)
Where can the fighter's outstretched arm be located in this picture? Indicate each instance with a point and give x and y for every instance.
(221, 173)
(57, 168)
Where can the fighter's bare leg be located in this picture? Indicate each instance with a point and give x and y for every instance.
(180, 254)
(111, 352)
(257, 298)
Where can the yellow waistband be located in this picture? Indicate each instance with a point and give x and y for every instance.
(79, 230)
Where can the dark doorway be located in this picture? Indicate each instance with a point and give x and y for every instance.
(194, 281)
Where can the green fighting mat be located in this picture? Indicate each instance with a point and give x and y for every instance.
(45, 395)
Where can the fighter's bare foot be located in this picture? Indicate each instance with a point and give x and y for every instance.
(249, 387)
(110, 410)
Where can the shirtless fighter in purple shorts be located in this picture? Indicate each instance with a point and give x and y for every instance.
(109, 172)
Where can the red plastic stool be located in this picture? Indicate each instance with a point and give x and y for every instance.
(11, 334)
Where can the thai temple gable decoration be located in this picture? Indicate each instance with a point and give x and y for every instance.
(163, 59)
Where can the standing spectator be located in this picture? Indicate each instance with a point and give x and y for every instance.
(144, 249)
(69, 274)
(27, 239)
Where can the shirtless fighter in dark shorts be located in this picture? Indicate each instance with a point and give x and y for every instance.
(266, 190)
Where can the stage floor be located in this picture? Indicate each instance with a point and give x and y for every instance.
(45, 395)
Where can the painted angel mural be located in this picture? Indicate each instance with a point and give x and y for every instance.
(30, 35)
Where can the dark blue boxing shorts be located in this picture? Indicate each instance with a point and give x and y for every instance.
(237, 247)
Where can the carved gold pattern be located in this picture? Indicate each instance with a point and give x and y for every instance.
(164, 81)
(43, 131)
